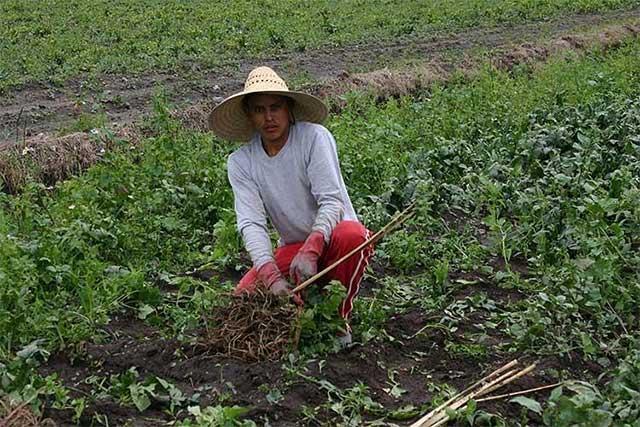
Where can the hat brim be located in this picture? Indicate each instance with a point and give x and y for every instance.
(229, 121)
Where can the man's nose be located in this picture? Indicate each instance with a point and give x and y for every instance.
(267, 115)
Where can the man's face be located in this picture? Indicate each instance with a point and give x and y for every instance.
(269, 114)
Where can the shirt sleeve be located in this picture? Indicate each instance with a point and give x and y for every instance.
(250, 214)
(324, 176)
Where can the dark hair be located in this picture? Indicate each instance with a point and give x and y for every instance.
(290, 104)
(247, 98)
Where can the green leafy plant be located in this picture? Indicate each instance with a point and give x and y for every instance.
(219, 416)
(127, 389)
(320, 322)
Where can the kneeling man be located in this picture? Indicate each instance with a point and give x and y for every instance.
(288, 173)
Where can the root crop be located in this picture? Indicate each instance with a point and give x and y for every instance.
(20, 415)
(256, 327)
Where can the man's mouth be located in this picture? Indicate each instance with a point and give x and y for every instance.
(270, 128)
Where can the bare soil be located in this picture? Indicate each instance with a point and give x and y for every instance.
(418, 356)
(42, 107)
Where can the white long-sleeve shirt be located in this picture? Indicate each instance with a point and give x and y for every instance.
(300, 189)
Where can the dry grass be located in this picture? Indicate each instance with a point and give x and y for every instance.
(20, 415)
(524, 54)
(609, 38)
(47, 159)
(195, 117)
(254, 328)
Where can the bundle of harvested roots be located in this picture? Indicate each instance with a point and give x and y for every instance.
(256, 327)
(20, 415)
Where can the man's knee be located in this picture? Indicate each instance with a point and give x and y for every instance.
(348, 234)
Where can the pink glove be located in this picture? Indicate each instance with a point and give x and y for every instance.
(270, 276)
(305, 263)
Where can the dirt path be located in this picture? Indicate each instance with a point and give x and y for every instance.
(39, 108)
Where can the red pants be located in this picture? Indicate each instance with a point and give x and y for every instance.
(346, 236)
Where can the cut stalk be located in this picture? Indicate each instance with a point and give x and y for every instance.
(445, 418)
(438, 416)
(458, 403)
(518, 393)
(522, 373)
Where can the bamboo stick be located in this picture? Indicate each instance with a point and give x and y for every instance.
(444, 405)
(518, 393)
(438, 416)
(403, 216)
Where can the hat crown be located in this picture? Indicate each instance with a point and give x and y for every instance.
(264, 79)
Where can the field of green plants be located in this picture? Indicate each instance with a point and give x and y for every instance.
(526, 244)
(526, 241)
(53, 40)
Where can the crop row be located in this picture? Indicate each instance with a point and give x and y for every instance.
(55, 40)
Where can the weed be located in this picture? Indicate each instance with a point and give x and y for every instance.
(223, 416)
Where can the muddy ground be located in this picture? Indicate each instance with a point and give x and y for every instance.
(123, 99)
(416, 354)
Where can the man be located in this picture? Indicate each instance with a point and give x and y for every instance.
(289, 173)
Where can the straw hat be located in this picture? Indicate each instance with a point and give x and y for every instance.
(230, 121)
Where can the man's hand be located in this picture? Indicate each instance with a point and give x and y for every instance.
(281, 287)
(269, 274)
(305, 263)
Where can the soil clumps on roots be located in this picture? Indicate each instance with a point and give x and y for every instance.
(255, 327)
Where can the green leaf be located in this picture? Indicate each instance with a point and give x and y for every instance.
(32, 349)
(139, 396)
(396, 391)
(587, 345)
(528, 403)
(404, 413)
(144, 311)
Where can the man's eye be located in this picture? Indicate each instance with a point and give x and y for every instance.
(258, 109)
